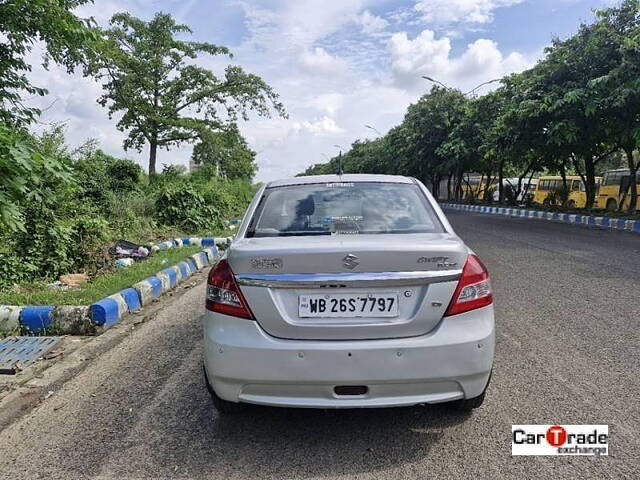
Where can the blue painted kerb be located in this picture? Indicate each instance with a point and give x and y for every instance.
(208, 242)
(173, 277)
(37, 318)
(132, 298)
(605, 222)
(184, 269)
(156, 286)
(105, 312)
(192, 265)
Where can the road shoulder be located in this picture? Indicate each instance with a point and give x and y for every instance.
(30, 388)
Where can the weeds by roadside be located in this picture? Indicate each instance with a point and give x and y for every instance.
(99, 287)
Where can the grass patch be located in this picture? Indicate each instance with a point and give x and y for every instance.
(98, 287)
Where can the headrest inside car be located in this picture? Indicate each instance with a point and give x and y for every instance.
(306, 206)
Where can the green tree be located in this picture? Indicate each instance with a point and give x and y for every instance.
(559, 95)
(614, 98)
(67, 40)
(166, 99)
(427, 126)
(228, 152)
(468, 146)
(519, 135)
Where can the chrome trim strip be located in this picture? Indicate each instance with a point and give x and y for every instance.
(337, 280)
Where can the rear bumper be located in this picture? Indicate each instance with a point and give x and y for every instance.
(245, 364)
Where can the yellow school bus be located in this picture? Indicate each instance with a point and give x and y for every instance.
(577, 191)
(615, 190)
(474, 186)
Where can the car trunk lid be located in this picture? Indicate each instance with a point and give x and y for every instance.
(420, 270)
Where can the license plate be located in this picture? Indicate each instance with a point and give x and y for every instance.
(377, 305)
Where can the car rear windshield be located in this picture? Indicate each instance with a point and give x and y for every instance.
(343, 209)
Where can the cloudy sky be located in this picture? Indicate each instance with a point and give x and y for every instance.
(338, 64)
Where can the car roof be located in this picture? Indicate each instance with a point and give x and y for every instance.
(346, 178)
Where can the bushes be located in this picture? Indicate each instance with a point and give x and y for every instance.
(61, 208)
(186, 208)
(25, 171)
(200, 201)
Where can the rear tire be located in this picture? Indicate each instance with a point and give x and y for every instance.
(223, 407)
(571, 204)
(612, 205)
(467, 405)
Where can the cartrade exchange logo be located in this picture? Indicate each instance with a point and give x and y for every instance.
(560, 440)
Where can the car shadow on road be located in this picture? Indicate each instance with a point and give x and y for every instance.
(307, 442)
(264, 442)
(159, 422)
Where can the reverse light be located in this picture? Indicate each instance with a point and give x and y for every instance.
(473, 290)
(224, 295)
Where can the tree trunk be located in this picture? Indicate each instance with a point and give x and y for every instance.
(565, 186)
(487, 188)
(590, 174)
(500, 182)
(435, 186)
(526, 189)
(153, 154)
(459, 186)
(633, 184)
(449, 192)
(153, 142)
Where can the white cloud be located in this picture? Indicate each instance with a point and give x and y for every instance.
(299, 22)
(323, 126)
(328, 102)
(103, 10)
(371, 23)
(460, 11)
(319, 61)
(427, 55)
(421, 56)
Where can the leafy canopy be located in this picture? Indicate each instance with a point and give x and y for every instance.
(67, 41)
(150, 76)
(228, 152)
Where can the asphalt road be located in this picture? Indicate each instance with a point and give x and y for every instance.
(568, 305)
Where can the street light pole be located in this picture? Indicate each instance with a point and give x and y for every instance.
(433, 80)
(340, 171)
(482, 85)
(374, 129)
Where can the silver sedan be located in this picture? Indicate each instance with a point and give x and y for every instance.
(345, 292)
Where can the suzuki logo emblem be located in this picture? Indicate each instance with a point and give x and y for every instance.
(350, 261)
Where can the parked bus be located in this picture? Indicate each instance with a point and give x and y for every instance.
(528, 188)
(616, 190)
(577, 191)
(474, 186)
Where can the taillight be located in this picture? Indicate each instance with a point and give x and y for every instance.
(473, 290)
(223, 294)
